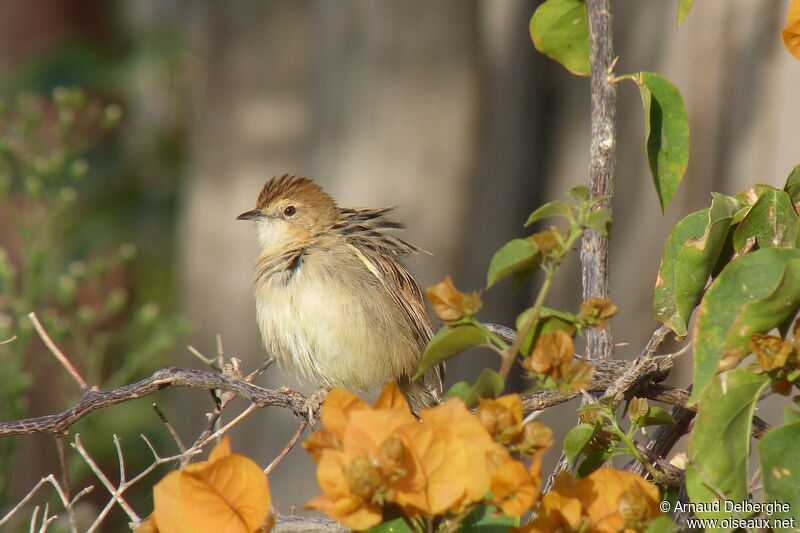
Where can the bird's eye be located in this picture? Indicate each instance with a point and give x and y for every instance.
(289, 211)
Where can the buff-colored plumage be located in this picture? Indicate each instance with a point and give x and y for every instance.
(334, 305)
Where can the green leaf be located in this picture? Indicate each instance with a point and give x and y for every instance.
(550, 209)
(593, 461)
(656, 416)
(779, 457)
(792, 186)
(489, 384)
(690, 254)
(520, 256)
(458, 390)
(683, 10)
(599, 220)
(719, 446)
(398, 525)
(560, 30)
(772, 221)
(667, 132)
(450, 341)
(576, 440)
(753, 294)
(549, 321)
(580, 193)
(790, 415)
(487, 519)
(661, 524)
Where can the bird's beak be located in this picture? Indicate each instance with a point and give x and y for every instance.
(250, 215)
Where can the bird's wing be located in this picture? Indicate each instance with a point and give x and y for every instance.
(370, 229)
(367, 232)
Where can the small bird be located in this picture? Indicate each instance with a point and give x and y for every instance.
(334, 305)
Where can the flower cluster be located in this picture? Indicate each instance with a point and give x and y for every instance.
(378, 460)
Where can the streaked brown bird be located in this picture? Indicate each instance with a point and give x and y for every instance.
(334, 305)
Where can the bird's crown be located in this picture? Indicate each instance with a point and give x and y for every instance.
(295, 188)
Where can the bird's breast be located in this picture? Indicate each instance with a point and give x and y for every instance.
(330, 321)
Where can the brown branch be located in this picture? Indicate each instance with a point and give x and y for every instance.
(640, 367)
(594, 249)
(94, 399)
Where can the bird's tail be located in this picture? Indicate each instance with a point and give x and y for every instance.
(425, 391)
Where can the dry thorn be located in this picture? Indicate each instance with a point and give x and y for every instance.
(56, 352)
(8, 341)
(260, 370)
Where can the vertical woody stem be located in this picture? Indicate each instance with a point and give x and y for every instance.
(594, 249)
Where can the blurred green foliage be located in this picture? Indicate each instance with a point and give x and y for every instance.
(60, 260)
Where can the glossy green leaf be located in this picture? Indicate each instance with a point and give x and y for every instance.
(560, 30)
(487, 519)
(667, 133)
(599, 220)
(518, 257)
(656, 416)
(779, 457)
(576, 440)
(771, 221)
(792, 186)
(690, 254)
(724, 416)
(683, 10)
(753, 294)
(450, 341)
(550, 209)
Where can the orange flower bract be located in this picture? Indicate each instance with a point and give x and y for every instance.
(370, 457)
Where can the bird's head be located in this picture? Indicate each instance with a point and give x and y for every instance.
(290, 210)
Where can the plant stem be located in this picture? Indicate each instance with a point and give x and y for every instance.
(657, 476)
(550, 268)
(594, 250)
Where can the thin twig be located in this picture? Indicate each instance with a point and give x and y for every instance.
(286, 448)
(116, 492)
(59, 355)
(51, 479)
(9, 340)
(210, 362)
(175, 436)
(62, 463)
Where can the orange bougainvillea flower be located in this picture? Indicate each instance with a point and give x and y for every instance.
(227, 493)
(502, 417)
(606, 501)
(370, 457)
(791, 33)
(360, 455)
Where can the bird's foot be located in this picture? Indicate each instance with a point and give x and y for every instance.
(314, 403)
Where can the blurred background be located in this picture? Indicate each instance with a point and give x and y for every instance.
(118, 201)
